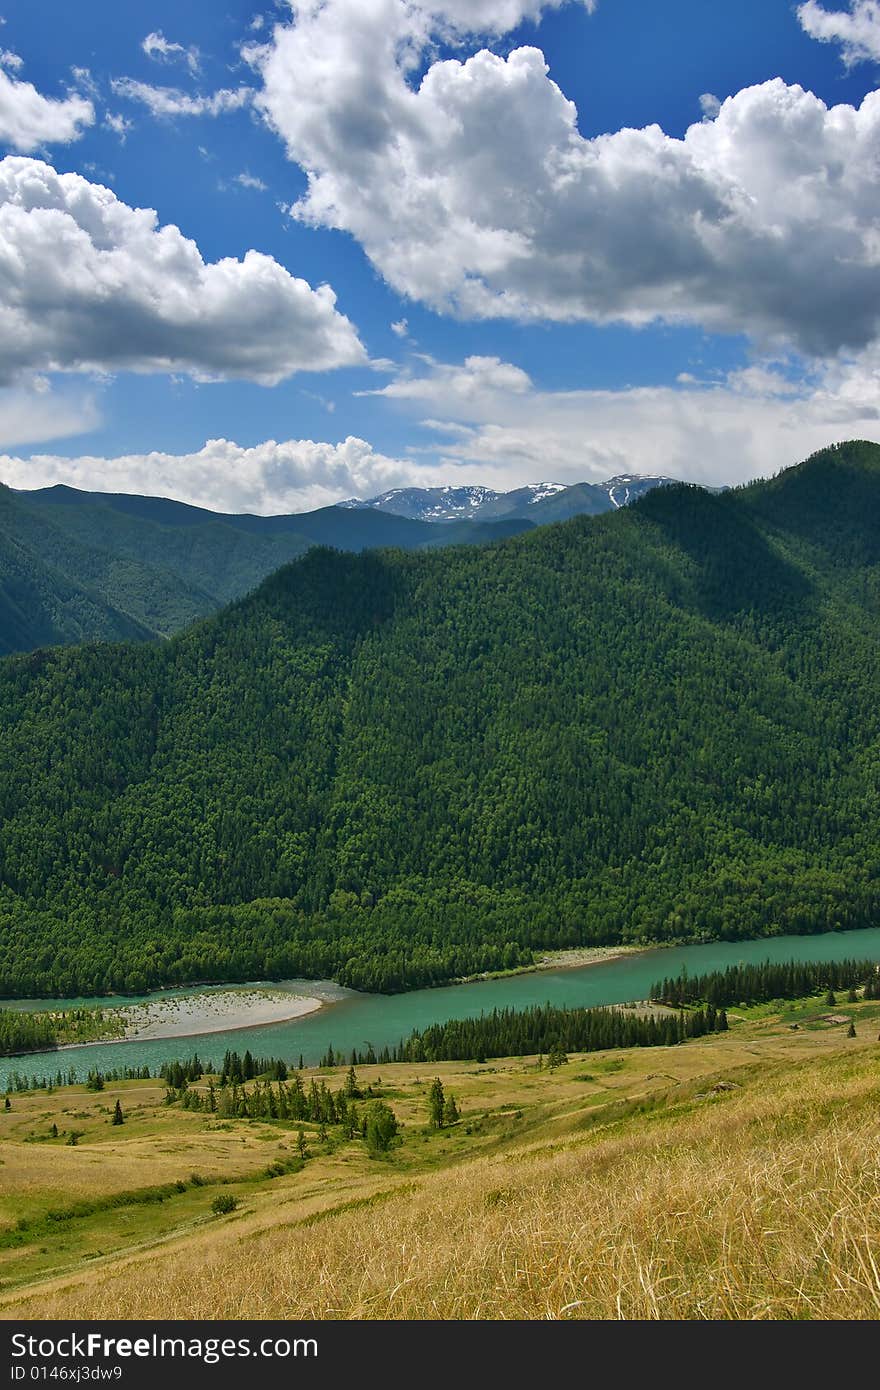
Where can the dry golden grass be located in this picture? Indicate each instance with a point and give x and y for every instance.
(759, 1202)
(155, 1146)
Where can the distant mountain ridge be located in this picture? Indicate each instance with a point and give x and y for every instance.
(92, 566)
(538, 503)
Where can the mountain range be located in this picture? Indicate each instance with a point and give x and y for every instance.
(399, 767)
(91, 566)
(537, 503)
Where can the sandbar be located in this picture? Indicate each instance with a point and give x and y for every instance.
(220, 1011)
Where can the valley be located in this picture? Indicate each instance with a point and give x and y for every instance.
(734, 1176)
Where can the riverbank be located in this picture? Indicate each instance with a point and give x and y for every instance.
(176, 1016)
(574, 958)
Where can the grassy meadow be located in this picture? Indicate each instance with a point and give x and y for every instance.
(736, 1176)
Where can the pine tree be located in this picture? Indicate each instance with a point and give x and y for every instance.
(556, 1056)
(450, 1110)
(436, 1103)
(118, 1117)
(380, 1126)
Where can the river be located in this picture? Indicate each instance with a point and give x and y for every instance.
(352, 1020)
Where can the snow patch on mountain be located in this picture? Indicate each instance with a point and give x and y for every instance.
(541, 490)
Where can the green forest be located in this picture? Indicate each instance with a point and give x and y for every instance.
(398, 768)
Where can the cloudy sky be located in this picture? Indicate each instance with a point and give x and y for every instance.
(266, 258)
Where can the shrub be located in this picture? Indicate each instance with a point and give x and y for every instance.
(224, 1204)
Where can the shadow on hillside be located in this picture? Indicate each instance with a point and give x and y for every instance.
(738, 570)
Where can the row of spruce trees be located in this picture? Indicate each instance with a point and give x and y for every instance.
(545, 1029)
(757, 984)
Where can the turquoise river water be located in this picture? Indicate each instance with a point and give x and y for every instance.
(350, 1020)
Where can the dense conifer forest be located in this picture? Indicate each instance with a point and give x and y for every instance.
(399, 768)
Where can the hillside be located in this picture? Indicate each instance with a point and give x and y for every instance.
(729, 1178)
(80, 566)
(396, 768)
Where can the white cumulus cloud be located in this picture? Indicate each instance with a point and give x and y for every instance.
(489, 16)
(28, 119)
(119, 124)
(246, 180)
(748, 427)
(856, 30)
(292, 475)
(505, 434)
(475, 193)
(89, 282)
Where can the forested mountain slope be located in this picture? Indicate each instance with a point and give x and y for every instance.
(78, 566)
(399, 767)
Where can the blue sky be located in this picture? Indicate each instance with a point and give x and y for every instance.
(565, 240)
